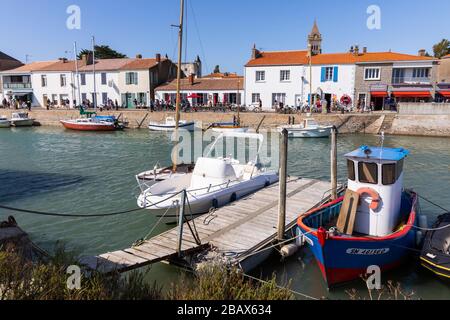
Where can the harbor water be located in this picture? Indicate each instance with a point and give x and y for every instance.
(53, 170)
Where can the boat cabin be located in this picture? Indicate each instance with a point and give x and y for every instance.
(310, 123)
(375, 175)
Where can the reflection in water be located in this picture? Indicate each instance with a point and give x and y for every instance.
(69, 172)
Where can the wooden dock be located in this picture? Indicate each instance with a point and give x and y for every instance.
(239, 229)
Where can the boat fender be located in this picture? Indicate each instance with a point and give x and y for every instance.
(322, 236)
(267, 184)
(233, 197)
(215, 203)
(419, 238)
(289, 250)
(373, 194)
(423, 221)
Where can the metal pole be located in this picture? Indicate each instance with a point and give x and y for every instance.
(181, 222)
(178, 101)
(93, 66)
(310, 79)
(77, 73)
(334, 163)
(283, 185)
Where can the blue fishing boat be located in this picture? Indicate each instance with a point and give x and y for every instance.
(372, 225)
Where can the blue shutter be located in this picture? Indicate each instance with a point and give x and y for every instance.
(336, 74)
(323, 75)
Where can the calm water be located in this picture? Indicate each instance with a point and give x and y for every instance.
(50, 169)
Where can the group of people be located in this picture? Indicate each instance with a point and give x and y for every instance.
(16, 104)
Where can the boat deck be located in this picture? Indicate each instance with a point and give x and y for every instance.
(240, 229)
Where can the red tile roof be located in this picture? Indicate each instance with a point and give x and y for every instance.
(141, 64)
(275, 58)
(30, 67)
(223, 75)
(206, 84)
(446, 57)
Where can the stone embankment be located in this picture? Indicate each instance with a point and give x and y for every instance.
(390, 123)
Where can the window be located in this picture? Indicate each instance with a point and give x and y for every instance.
(63, 80)
(105, 98)
(131, 78)
(278, 98)
(372, 74)
(103, 78)
(368, 172)
(154, 78)
(351, 170)
(399, 169)
(389, 175)
(43, 81)
(421, 72)
(83, 79)
(84, 97)
(285, 75)
(329, 74)
(260, 76)
(398, 75)
(256, 97)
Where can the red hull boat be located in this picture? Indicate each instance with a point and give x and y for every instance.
(83, 125)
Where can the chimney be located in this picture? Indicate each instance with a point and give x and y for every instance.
(84, 59)
(63, 60)
(255, 52)
(356, 52)
(351, 49)
(158, 57)
(422, 52)
(365, 50)
(139, 56)
(87, 59)
(191, 79)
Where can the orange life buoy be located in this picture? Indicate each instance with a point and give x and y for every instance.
(373, 194)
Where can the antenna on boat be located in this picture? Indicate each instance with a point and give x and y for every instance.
(178, 95)
(382, 137)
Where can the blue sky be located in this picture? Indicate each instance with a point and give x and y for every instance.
(220, 31)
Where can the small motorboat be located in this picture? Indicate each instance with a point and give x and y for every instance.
(95, 123)
(170, 125)
(21, 119)
(214, 182)
(148, 178)
(372, 225)
(436, 250)
(309, 128)
(4, 122)
(228, 127)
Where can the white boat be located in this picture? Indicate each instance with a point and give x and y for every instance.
(147, 179)
(214, 183)
(4, 122)
(309, 128)
(228, 127)
(21, 119)
(170, 125)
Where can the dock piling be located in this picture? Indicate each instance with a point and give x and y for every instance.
(283, 185)
(181, 223)
(334, 163)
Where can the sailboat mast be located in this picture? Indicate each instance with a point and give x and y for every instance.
(178, 100)
(77, 73)
(238, 104)
(180, 52)
(93, 70)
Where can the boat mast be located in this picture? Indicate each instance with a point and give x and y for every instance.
(238, 104)
(178, 99)
(93, 70)
(310, 78)
(77, 74)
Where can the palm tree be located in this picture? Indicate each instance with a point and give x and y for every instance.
(442, 48)
(103, 52)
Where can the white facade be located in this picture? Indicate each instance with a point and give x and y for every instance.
(207, 97)
(51, 87)
(140, 90)
(291, 84)
(106, 83)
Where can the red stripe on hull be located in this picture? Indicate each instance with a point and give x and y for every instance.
(88, 127)
(336, 276)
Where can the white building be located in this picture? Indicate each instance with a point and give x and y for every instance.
(211, 90)
(126, 82)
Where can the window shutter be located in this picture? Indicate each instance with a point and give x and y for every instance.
(336, 74)
(323, 75)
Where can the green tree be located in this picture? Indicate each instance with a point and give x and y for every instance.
(103, 52)
(441, 49)
(217, 69)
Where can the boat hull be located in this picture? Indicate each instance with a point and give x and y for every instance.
(345, 258)
(5, 124)
(201, 204)
(22, 123)
(229, 129)
(88, 126)
(314, 133)
(169, 128)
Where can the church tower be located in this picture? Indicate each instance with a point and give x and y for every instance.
(315, 40)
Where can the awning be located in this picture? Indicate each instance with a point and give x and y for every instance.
(193, 96)
(381, 94)
(445, 93)
(416, 94)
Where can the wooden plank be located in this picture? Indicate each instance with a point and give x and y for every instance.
(141, 254)
(347, 215)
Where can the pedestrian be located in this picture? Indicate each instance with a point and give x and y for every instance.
(29, 105)
(260, 105)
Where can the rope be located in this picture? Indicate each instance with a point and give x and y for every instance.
(433, 203)
(141, 241)
(51, 214)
